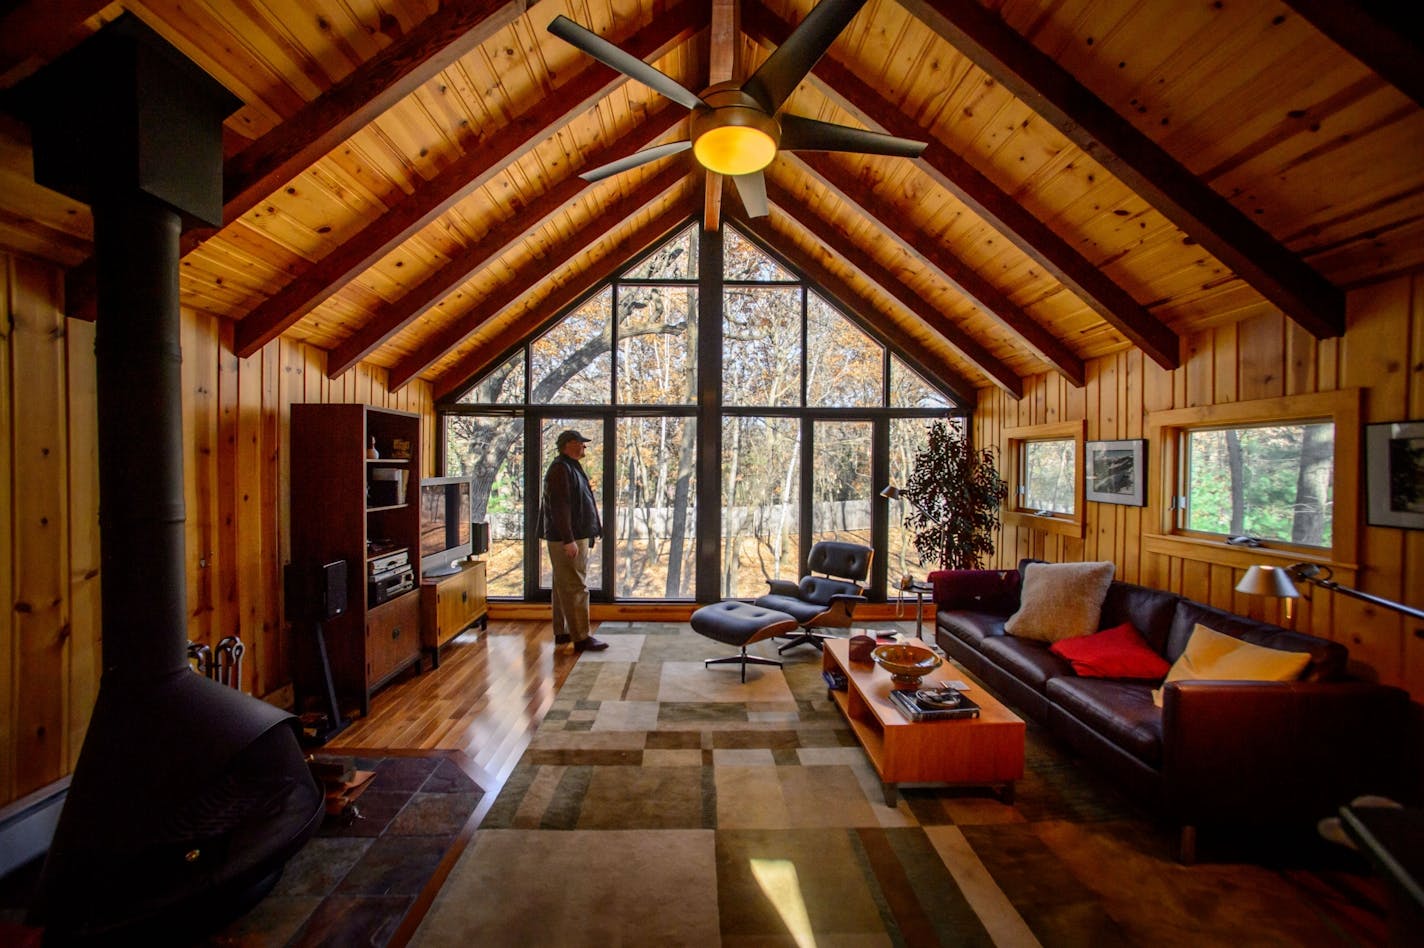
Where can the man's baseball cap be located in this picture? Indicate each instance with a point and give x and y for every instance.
(570, 435)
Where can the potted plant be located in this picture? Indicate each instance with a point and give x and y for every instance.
(954, 494)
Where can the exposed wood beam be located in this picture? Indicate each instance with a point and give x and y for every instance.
(352, 103)
(268, 163)
(996, 207)
(537, 270)
(723, 43)
(986, 297)
(471, 171)
(839, 244)
(478, 359)
(40, 30)
(1375, 34)
(1280, 276)
(391, 317)
(884, 329)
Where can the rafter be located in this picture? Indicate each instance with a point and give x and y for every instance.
(996, 207)
(265, 165)
(40, 30)
(723, 44)
(985, 297)
(885, 330)
(537, 270)
(437, 195)
(1374, 33)
(478, 359)
(837, 242)
(391, 317)
(1280, 276)
(352, 103)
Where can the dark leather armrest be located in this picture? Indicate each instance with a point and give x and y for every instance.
(784, 587)
(1297, 749)
(853, 601)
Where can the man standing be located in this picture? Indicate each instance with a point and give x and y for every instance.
(569, 524)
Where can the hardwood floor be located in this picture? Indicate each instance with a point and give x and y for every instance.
(484, 701)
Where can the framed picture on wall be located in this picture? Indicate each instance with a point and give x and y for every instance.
(1394, 474)
(1116, 472)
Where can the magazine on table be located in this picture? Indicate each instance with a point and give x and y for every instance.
(934, 704)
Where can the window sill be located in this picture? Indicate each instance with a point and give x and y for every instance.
(1222, 553)
(1059, 524)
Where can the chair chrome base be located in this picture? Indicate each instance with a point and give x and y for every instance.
(805, 637)
(744, 659)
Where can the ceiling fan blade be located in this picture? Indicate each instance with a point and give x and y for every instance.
(792, 60)
(751, 188)
(628, 162)
(804, 134)
(626, 63)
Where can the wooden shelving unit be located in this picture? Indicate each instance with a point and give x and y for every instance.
(346, 506)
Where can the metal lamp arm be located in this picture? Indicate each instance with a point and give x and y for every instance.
(1311, 573)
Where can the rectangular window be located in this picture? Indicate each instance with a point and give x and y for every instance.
(1272, 483)
(1045, 472)
(654, 548)
(761, 503)
(1269, 469)
(490, 450)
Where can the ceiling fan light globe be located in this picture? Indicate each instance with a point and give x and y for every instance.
(734, 149)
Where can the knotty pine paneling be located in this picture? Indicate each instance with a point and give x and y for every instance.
(235, 415)
(1262, 356)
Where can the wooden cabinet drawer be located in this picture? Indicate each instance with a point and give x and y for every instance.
(451, 603)
(392, 636)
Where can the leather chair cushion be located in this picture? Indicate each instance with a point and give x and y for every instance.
(834, 558)
(1026, 659)
(1121, 711)
(739, 623)
(799, 609)
(819, 589)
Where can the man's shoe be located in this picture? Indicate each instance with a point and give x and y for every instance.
(590, 644)
(563, 639)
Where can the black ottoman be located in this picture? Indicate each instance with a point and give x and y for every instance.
(741, 624)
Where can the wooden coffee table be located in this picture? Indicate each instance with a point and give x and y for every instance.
(985, 751)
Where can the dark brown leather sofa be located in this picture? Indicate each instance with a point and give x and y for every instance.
(1216, 753)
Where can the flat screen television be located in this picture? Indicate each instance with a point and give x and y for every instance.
(444, 524)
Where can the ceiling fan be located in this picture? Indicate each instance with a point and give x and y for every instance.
(735, 128)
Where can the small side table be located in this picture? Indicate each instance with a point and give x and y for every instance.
(920, 590)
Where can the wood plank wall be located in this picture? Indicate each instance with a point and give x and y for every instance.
(1259, 357)
(235, 417)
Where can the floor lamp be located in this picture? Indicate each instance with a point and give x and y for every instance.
(1280, 582)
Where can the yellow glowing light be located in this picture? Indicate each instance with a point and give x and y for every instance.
(734, 149)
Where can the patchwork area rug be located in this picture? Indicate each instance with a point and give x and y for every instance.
(664, 803)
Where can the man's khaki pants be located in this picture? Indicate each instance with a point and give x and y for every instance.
(570, 592)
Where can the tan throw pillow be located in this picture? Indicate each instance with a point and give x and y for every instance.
(1214, 656)
(1060, 600)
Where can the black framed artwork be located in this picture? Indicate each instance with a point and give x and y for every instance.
(1116, 472)
(1394, 474)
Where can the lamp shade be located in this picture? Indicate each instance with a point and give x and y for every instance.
(734, 149)
(1268, 581)
(891, 492)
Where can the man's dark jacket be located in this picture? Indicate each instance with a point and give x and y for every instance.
(568, 511)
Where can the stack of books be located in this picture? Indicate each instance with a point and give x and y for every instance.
(935, 704)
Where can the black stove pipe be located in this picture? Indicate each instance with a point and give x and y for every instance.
(188, 796)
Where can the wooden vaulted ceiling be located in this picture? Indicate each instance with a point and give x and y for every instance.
(402, 181)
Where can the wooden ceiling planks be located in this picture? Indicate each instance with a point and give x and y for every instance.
(1295, 135)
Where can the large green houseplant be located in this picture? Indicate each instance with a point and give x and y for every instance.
(954, 496)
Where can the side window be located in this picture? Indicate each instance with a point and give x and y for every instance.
(1045, 471)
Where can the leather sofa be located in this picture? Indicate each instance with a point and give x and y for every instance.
(1216, 752)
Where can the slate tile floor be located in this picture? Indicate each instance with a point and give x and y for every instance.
(351, 884)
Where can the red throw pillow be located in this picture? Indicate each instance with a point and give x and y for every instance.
(1119, 652)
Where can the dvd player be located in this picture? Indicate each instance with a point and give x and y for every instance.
(390, 584)
(379, 565)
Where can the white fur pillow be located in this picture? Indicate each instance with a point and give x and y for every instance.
(1060, 600)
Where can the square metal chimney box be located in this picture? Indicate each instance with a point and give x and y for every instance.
(127, 94)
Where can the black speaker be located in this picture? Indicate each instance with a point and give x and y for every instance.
(479, 538)
(316, 592)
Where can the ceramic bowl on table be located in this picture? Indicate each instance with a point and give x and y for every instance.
(906, 663)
